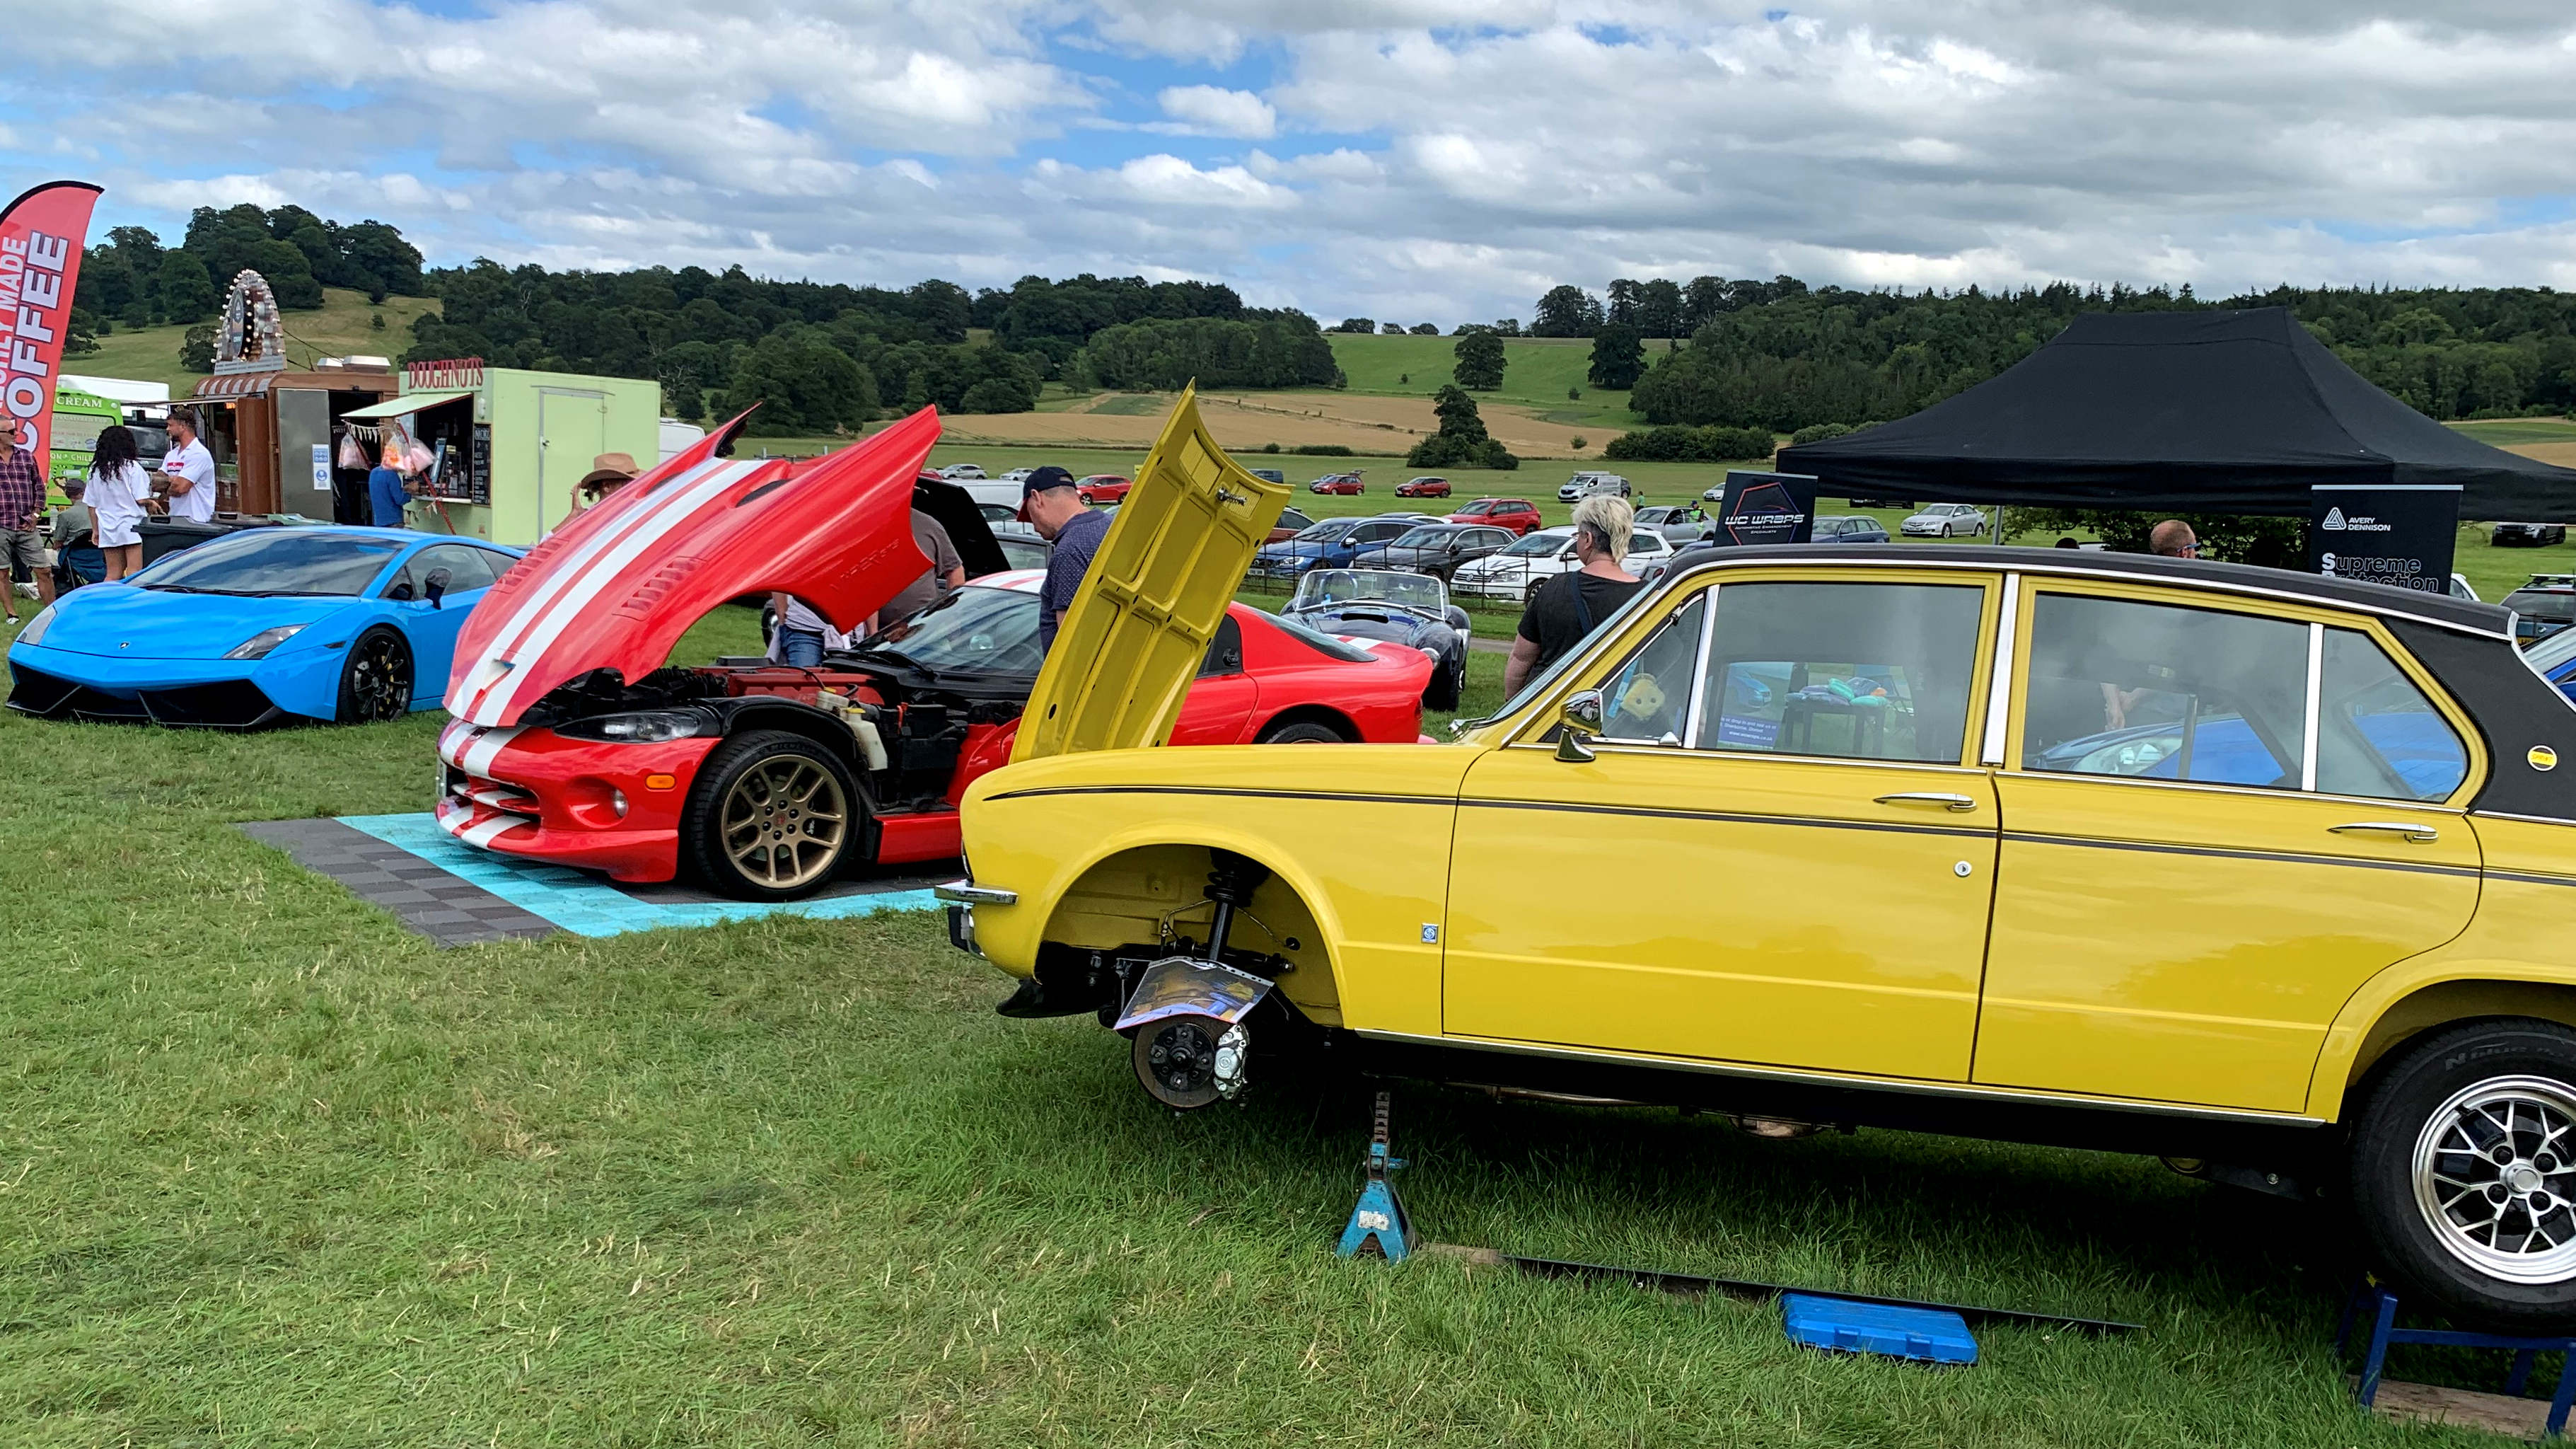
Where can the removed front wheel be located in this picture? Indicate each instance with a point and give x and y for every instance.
(2463, 1173)
(773, 817)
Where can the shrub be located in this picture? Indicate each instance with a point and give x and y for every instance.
(1270, 447)
(1818, 432)
(1322, 450)
(1579, 442)
(1675, 444)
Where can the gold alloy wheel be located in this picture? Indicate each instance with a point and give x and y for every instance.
(784, 822)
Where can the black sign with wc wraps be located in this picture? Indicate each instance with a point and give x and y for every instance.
(2400, 534)
(1767, 508)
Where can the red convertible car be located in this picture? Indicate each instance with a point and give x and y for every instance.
(1337, 483)
(572, 743)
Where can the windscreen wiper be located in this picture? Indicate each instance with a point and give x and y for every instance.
(880, 651)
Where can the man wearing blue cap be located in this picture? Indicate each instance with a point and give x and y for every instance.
(1056, 508)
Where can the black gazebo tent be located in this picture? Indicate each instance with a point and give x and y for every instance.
(2184, 412)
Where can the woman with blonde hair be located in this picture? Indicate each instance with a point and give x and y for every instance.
(1564, 609)
(117, 488)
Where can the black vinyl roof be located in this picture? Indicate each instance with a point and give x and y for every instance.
(2463, 615)
(2184, 412)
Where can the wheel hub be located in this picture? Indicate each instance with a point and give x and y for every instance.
(2494, 1179)
(784, 821)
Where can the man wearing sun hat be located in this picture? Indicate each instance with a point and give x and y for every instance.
(608, 472)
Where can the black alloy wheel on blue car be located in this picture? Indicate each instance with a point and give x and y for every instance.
(375, 682)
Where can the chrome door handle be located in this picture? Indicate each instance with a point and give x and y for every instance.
(2420, 834)
(1929, 797)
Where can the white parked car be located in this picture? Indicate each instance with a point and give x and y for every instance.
(1945, 520)
(1549, 551)
(961, 472)
(1588, 485)
(1017, 475)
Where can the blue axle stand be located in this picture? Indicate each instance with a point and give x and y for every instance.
(2380, 1307)
(1379, 1219)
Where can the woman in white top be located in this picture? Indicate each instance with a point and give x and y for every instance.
(117, 487)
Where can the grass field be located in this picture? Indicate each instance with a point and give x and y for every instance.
(1537, 373)
(340, 327)
(278, 1173)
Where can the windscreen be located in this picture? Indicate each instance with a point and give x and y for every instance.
(1325, 587)
(1537, 545)
(972, 631)
(270, 561)
(1328, 531)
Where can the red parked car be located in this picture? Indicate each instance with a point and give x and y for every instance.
(1423, 488)
(1337, 483)
(1517, 514)
(1104, 488)
(572, 743)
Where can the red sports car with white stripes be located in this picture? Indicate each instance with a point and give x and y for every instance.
(572, 744)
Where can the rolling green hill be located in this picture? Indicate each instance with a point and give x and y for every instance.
(1537, 372)
(151, 354)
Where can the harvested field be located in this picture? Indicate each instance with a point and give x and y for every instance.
(1246, 420)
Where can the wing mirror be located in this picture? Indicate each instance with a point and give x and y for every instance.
(1578, 720)
(435, 586)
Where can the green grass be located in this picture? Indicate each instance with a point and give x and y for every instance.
(278, 1172)
(151, 354)
(2505, 432)
(1537, 372)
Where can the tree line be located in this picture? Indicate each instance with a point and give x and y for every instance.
(133, 280)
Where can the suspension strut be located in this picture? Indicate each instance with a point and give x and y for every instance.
(1230, 885)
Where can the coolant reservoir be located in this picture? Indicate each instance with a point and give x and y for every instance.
(852, 713)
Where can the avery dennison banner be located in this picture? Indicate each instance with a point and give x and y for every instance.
(2400, 534)
(41, 236)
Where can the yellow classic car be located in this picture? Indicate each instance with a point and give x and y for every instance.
(2141, 854)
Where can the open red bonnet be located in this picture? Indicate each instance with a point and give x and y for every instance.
(618, 584)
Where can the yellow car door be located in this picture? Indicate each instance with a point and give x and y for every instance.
(1778, 852)
(2222, 818)
(1139, 627)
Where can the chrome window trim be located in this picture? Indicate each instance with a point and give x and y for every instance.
(2263, 792)
(1699, 678)
(2308, 727)
(2042, 566)
(1999, 684)
(1648, 747)
(1909, 1085)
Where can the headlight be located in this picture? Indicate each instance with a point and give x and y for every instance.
(34, 633)
(646, 727)
(258, 645)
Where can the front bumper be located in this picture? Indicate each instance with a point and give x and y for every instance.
(236, 694)
(535, 794)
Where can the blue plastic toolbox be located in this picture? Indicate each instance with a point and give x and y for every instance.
(1926, 1335)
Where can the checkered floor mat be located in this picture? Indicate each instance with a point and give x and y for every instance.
(457, 895)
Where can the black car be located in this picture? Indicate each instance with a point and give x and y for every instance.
(1849, 528)
(2529, 535)
(2542, 607)
(1436, 548)
(1405, 608)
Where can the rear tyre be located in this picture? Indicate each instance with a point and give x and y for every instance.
(773, 817)
(2463, 1174)
(1301, 732)
(375, 680)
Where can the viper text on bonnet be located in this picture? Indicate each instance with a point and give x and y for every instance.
(2154, 855)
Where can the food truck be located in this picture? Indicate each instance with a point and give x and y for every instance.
(508, 447)
(275, 431)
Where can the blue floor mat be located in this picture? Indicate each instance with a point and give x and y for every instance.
(590, 905)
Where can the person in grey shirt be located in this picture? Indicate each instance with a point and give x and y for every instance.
(1056, 508)
(946, 572)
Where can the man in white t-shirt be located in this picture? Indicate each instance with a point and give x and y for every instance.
(191, 472)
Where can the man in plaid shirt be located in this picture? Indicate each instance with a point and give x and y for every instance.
(22, 497)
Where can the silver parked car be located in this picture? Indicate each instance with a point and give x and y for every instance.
(1681, 524)
(1945, 520)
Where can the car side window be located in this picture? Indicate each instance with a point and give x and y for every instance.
(1225, 650)
(2165, 692)
(1648, 700)
(1850, 670)
(2377, 735)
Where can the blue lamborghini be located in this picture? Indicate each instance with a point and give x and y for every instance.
(261, 626)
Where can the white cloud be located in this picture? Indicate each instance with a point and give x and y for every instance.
(1475, 151)
(1215, 111)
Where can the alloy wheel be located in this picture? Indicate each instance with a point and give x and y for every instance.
(2495, 1177)
(784, 821)
(380, 679)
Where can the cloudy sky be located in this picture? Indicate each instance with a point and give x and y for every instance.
(1423, 160)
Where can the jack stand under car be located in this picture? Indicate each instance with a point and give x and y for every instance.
(1378, 1223)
